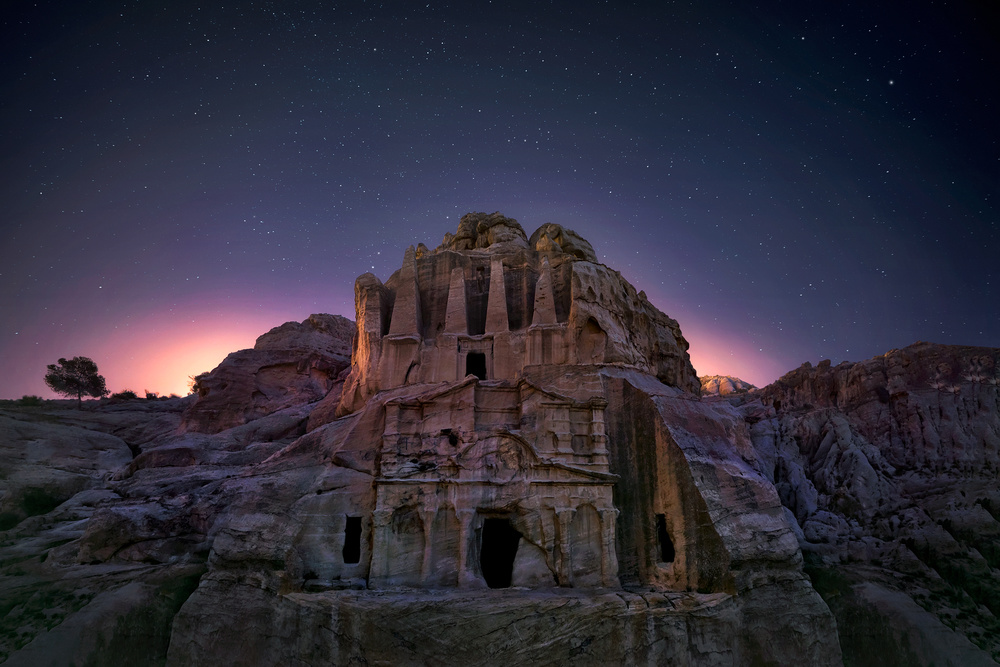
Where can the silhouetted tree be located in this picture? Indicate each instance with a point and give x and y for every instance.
(76, 377)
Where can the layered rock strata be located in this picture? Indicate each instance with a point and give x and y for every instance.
(889, 468)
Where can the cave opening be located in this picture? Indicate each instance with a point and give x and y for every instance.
(666, 545)
(352, 540)
(475, 364)
(497, 550)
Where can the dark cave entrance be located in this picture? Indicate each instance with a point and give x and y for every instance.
(352, 540)
(475, 364)
(666, 545)
(496, 552)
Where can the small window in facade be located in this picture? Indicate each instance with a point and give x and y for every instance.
(352, 540)
(666, 545)
(475, 364)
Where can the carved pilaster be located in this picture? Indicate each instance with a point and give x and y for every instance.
(597, 434)
(381, 520)
(427, 514)
(564, 562)
(467, 576)
(609, 554)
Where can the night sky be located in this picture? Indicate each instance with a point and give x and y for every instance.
(791, 181)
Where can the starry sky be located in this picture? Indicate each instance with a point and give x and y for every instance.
(791, 181)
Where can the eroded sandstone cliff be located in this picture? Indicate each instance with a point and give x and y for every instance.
(890, 468)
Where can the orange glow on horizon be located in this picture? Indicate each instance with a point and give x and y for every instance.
(716, 354)
(160, 353)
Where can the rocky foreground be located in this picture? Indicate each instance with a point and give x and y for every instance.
(328, 497)
(889, 468)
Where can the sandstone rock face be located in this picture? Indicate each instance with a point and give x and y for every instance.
(723, 385)
(517, 468)
(58, 467)
(890, 469)
(481, 231)
(289, 365)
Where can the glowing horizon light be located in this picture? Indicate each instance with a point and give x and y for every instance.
(160, 352)
(715, 354)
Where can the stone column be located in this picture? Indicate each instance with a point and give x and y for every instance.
(467, 577)
(427, 514)
(597, 434)
(609, 554)
(559, 422)
(381, 520)
(564, 563)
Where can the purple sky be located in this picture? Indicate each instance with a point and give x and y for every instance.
(791, 181)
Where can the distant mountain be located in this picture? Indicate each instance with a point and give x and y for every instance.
(723, 385)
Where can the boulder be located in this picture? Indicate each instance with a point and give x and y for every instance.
(293, 364)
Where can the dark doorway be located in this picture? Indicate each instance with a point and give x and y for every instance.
(497, 551)
(352, 540)
(663, 538)
(475, 364)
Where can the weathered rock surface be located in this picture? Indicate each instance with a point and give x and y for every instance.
(890, 468)
(723, 385)
(57, 468)
(291, 364)
(479, 231)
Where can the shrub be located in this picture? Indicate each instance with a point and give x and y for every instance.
(30, 400)
(125, 395)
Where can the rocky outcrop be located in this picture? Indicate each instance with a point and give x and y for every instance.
(889, 467)
(551, 237)
(292, 364)
(479, 231)
(57, 466)
(723, 385)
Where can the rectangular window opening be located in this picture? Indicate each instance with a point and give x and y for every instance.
(352, 540)
(475, 364)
